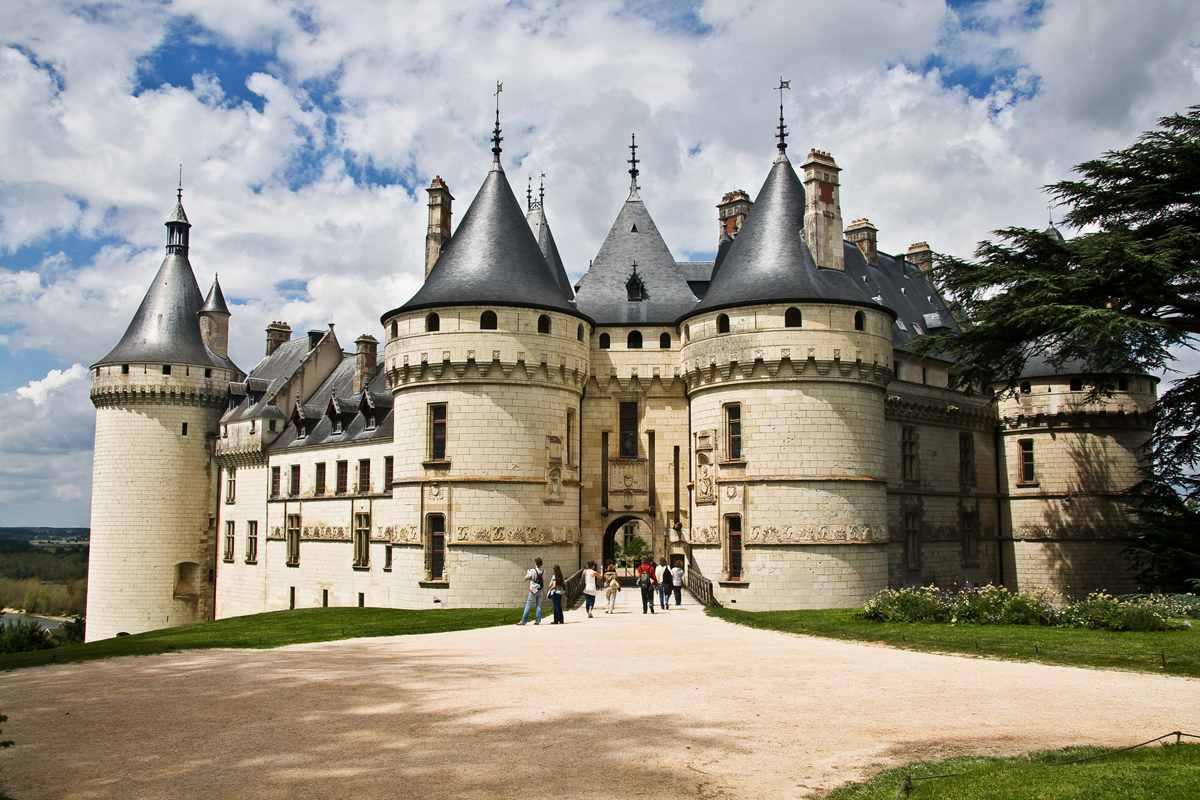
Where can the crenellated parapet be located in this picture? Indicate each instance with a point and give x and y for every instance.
(951, 409)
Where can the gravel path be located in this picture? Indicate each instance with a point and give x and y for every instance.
(629, 705)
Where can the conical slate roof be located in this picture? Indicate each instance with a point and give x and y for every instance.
(215, 302)
(545, 239)
(492, 259)
(769, 260)
(634, 238)
(165, 328)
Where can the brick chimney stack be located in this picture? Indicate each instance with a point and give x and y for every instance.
(439, 221)
(823, 210)
(920, 255)
(731, 212)
(277, 333)
(863, 234)
(366, 347)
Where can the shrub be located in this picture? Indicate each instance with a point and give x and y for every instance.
(23, 637)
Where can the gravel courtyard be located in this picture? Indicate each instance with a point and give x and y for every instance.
(628, 705)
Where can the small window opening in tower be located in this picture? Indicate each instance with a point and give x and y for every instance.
(579, 333)
(183, 430)
(634, 342)
(208, 373)
(860, 321)
(792, 318)
(664, 341)
(1122, 384)
(1026, 388)
(487, 321)
(633, 229)
(723, 323)
(604, 341)
(433, 322)
(124, 369)
(544, 323)
(166, 369)
(635, 288)
(395, 329)
(1076, 385)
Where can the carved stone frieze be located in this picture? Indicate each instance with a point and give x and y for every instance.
(275, 534)
(515, 534)
(795, 534)
(325, 533)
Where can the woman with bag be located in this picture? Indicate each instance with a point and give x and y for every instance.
(677, 578)
(589, 587)
(558, 586)
(611, 587)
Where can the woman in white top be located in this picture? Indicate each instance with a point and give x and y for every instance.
(677, 580)
(589, 587)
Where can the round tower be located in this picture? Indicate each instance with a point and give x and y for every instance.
(786, 367)
(487, 364)
(158, 397)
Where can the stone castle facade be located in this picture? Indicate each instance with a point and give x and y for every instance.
(759, 417)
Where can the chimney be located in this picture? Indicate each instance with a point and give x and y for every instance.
(365, 349)
(731, 213)
(277, 333)
(439, 221)
(823, 210)
(920, 255)
(862, 233)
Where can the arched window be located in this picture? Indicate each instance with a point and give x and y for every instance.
(634, 342)
(723, 323)
(687, 333)
(664, 341)
(579, 333)
(487, 321)
(860, 321)
(791, 318)
(604, 341)
(544, 323)
(395, 329)
(433, 322)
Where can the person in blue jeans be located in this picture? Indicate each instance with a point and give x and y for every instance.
(647, 583)
(557, 591)
(537, 579)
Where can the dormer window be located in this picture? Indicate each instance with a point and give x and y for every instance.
(337, 422)
(635, 288)
(369, 416)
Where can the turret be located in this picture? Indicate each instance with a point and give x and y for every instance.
(214, 321)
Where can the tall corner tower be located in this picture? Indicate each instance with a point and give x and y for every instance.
(158, 397)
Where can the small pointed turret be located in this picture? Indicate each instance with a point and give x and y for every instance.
(214, 321)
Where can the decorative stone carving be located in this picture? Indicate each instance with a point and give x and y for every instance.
(705, 534)
(515, 534)
(325, 533)
(704, 479)
(554, 484)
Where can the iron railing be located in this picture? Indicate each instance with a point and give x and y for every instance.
(700, 586)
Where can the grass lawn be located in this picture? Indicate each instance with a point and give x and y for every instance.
(275, 629)
(1169, 771)
(1144, 652)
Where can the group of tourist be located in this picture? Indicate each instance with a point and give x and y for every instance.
(650, 577)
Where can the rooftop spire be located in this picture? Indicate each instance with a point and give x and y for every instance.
(542, 190)
(177, 224)
(529, 194)
(496, 137)
(633, 170)
(782, 128)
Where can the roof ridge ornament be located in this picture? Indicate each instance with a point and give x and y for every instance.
(783, 134)
(633, 169)
(496, 137)
(542, 190)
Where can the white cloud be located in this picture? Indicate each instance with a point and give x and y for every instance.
(39, 392)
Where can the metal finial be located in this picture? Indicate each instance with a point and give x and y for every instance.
(633, 162)
(542, 190)
(782, 128)
(496, 137)
(529, 194)
(179, 191)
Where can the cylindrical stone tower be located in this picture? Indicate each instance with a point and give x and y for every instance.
(787, 367)
(158, 397)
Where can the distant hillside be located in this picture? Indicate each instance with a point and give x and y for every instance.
(55, 534)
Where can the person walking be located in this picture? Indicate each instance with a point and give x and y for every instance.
(612, 587)
(537, 579)
(664, 586)
(647, 582)
(558, 587)
(590, 590)
(677, 580)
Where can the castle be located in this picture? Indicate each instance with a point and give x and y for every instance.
(760, 417)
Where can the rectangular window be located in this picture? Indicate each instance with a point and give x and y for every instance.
(324, 598)
(274, 481)
(909, 458)
(362, 540)
(230, 484)
(966, 459)
(437, 432)
(230, 532)
(291, 597)
(389, 472)
(319, 485)
(629, 429)
(1027, 474)
(734, 525)
(343, 476)
(570, 437)
(166, 369)
(292, 535)
(252, 542)
(183, 429)
(970, 538)
(364, 476)
(387, 558)
(912, 540)
(733, 423)
(294, 483)
(437, 547)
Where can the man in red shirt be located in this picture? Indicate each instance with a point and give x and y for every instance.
(646, 582)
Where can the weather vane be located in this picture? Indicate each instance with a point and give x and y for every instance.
(496, 137)
(633, 162)
(782, 128)
(179, 191)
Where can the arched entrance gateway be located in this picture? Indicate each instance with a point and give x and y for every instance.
(621, 535)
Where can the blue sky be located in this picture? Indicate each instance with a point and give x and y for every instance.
(307, 138)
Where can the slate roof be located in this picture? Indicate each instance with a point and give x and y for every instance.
(634, 237)
(255, 396)
(165, 328)
(903, 288)
(335, 392)
(492, 259)
(215, 302)
(536, 217)
(769, 260)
